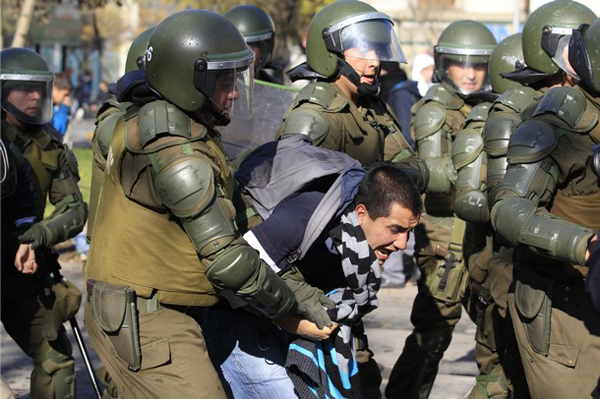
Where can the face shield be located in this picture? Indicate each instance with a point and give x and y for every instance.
(464, 69)
(369, 36)
(555, 42)
(263, 46)
(228, 85)
(580, 61)
(28, 97)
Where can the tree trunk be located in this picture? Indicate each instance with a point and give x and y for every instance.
(23, 23)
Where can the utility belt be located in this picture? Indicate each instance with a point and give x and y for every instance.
(116, 310)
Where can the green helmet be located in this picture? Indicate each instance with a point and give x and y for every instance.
(462, 55)
(136, 57)
(197, 60)
(258, 30)
(346, 25)
(506, 57)
(26, 85)
(584, 55)
(544, 31)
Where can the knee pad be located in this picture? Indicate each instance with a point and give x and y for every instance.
(53, 375)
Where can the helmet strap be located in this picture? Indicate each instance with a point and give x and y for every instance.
(214, 115)
(362, 88)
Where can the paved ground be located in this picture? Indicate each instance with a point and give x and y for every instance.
(387, 327)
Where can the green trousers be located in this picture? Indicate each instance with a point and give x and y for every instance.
(175, 362)
(560, 344)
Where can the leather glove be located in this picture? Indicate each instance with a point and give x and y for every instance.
(39, 236)
(311, 301)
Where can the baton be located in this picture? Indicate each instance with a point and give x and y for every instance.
(84, 354)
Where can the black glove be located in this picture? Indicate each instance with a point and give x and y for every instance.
(39, 236)
(311, 301)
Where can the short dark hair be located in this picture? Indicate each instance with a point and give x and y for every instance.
(62, 81)
(385, 185)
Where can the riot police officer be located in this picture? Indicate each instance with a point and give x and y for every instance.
(31, 303)
(258, 30)
(164, 242)
(461, 70)
(550, 190)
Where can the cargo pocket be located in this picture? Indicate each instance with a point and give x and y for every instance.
(534, 306)
(155, 353)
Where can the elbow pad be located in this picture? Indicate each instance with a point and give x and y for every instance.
(516, 220)
(68, 219)
(239, 269)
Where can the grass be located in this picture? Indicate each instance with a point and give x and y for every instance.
(84, 158)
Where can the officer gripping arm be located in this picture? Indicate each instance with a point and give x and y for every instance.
(536, 167)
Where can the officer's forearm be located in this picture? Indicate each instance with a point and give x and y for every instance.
(67, 221)
(518, 222)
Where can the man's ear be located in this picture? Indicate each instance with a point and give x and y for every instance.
(361, 213)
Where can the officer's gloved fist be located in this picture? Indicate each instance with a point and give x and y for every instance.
(39, 236)
(311, 301)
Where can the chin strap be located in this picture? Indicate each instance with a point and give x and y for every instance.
(213, 115)
(362, 88)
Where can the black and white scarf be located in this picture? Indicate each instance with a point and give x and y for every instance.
(328, 369)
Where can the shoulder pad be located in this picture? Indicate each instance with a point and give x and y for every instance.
(517, 98)
(105, 128)
(567, 108)
(111, 103)
(478, 113)
(161, 117)
(441, 94)
(307, 121)
(497, 131)
(429, 119)
(324, 94)
(466, 147)
(531, 142)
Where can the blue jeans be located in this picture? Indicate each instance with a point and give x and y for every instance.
(249, 352)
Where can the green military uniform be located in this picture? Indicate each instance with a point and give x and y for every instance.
(35, 306)
(551, 216)
(543, 70)
(367, 132)
(165, 244)
(437, 119)
(55, 172)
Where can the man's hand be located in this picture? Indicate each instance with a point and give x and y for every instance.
(311, 300)
(25, 259)
(297, 325)
(591, 246)
(38, 235)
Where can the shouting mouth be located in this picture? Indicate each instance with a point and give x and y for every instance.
(382, 255)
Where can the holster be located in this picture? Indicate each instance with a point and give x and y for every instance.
(62, 299)
(449, 282)
(534, 305)
(115, 312)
